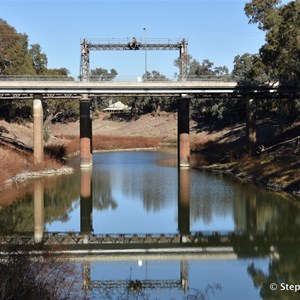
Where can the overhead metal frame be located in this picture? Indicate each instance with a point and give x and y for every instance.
(158, 44)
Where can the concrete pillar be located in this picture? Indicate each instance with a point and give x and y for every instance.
(251, 125)
(184, 204)
(183, 141)
(85, 133)
(38, 148)
(86, 201)
(38, 198)
(184, 275)
(86, 276)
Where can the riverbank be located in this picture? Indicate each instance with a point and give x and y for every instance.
(261, 172)
(276, 166)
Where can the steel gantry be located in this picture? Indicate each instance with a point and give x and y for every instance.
(88, 45)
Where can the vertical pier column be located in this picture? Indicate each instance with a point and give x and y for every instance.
(85, 133)
(38, 148)
(86, 201)
(38, 196)
(184, 204)
(251, 125)
(183, 140)
(184, 275)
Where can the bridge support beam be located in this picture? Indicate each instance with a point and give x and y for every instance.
(183, 139)
(85, 133)
(251, 125)
(38, 148)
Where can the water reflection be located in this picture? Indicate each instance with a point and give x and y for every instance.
(125, 194)
(139, 193)
(38, 196)
(184, 203)
(86, 201)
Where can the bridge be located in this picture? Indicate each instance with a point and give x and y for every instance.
(176, 243)
(11, 89)
(183, 90)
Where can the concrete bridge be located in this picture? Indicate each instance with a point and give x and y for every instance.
(184, 90)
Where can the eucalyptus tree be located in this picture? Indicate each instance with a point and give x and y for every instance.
(151, 104)
(101, 74)
(280, 54)
(14, 54)
(39, 59)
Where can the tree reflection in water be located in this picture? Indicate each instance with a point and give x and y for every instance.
(102, 190)
(285, 269)
(135, 291)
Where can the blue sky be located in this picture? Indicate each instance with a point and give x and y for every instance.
(217, 30)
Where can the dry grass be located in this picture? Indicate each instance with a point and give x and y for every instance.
(16, 162)
(101, 142)
(271, 170)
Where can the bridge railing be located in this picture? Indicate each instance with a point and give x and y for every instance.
(121, 41)
(119, 78)
(35, 78)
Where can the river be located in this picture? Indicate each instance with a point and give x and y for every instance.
(233, 240)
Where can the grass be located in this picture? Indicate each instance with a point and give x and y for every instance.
(14, 162)
(271, 170)
(101, 142)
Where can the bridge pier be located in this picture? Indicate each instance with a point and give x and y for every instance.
(183, 139)
(86, 160)
(38, 196)
(38, 148)
(251, 125)
(184, 204)
(86, 201)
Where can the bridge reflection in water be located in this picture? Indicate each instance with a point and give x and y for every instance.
(245, 237)
(248, 239)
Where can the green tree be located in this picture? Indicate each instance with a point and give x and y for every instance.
(39, 59)
(206, 68)
(208, 109)
(280, 55)
(154, 76)
(14, 51)
(281, 52)
(249, 69)
(100, 74)
(263, 12)
(154, 103)
(61, 72)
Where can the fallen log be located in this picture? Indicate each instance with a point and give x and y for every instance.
(13, 143)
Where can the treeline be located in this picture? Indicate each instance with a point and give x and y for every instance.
(278, 61)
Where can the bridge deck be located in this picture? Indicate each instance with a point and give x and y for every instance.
(76, 88)
(133, 241)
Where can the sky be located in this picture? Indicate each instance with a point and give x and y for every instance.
(217, 30)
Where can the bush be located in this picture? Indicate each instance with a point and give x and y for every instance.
(45, 277)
